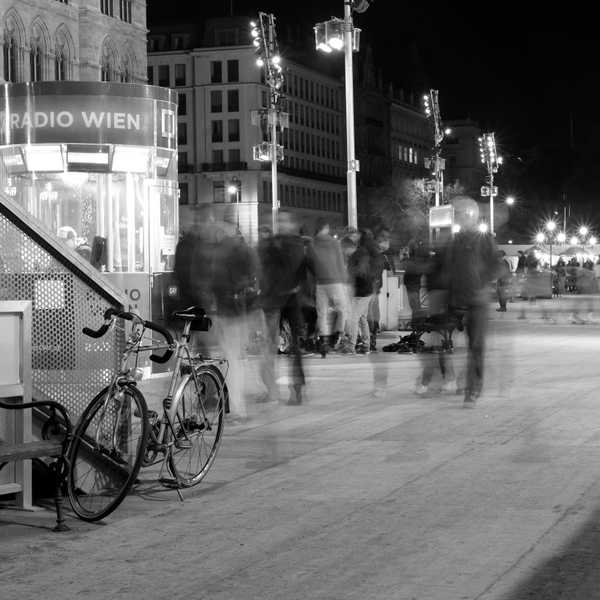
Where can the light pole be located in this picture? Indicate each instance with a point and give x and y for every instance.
(491, 160)
(234, 189)
(265, 41)
(550, 226)
(340, 34)
(436, 162)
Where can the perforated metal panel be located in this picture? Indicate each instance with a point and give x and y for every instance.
(67, 366)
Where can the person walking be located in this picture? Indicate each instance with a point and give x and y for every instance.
(235, 289)
(327, 262)
(471, 264)
(361, 269)
(284, 271)
(503, 281)
(381, 264)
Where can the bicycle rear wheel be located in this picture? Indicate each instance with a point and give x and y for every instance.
(197, 431)
(106, 452)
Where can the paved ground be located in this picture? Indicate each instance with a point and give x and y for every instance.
(350, 496)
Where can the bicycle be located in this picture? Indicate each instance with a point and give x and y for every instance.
(117, 434)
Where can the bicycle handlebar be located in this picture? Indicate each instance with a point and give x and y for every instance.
(111, 314)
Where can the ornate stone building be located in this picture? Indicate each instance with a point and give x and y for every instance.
(86, 40)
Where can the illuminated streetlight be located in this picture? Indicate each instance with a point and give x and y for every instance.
(491, 160)
(561, 237)
(510, 200)
(540, 237)
(583, 230)
(340, 34)
(550, 226)
(593, 241)
(483, 227)
(574, 241)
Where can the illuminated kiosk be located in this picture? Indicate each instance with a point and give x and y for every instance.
(96, 164)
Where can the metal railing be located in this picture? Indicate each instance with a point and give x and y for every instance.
(67, 293)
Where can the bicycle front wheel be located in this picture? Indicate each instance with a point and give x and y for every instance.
(106, 452)
(197, 425)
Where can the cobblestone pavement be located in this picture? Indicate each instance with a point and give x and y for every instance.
(354, 496)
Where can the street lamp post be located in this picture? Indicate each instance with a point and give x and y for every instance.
(338, 34)
(234, 189)
(489, 157)
(436, 162)
(265, 41)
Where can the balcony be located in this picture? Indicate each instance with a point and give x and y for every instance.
(224, 166)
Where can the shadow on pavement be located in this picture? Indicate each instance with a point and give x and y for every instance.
(572, 574)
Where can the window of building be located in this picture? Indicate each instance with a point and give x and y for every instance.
(106, 7)
(176, 42)
(234, 130)
(235, 156)
(125, 10)
(216, 71)
(182, 161)
(36, 61)
(217, 157)
(180, 74)
(182, 104)
(182, 133)
(217, 131)
(264, 99)
(233, 70)
(233, 100)
(226, 37)
(150, 74)
(183, 193)
(218, 192)
(216, 101)
(163, 75)
(60, 66)
(11, 63)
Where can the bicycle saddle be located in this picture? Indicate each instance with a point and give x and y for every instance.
(191, 313)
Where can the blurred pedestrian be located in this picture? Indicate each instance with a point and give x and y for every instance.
(381, 264)
(325, 257)
(471, 264)
(441, 324)
(283, 274)
(361, 269)
(235, 288)
(503, 281)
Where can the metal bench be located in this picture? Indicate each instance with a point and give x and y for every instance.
(54, 425)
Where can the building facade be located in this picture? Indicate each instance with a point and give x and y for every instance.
(77, 40)
(461, 150)
(219, 86)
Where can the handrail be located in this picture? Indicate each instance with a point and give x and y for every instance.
(65, 255)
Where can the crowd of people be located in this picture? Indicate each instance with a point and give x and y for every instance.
(324, 288)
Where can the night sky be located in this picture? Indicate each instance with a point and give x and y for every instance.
(524, 70)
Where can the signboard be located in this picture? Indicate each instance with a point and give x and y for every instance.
(91, 113)
(441, 216)
(487, 191)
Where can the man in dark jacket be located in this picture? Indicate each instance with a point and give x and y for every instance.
(361, 269)
(283, 274)
(471, 265)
